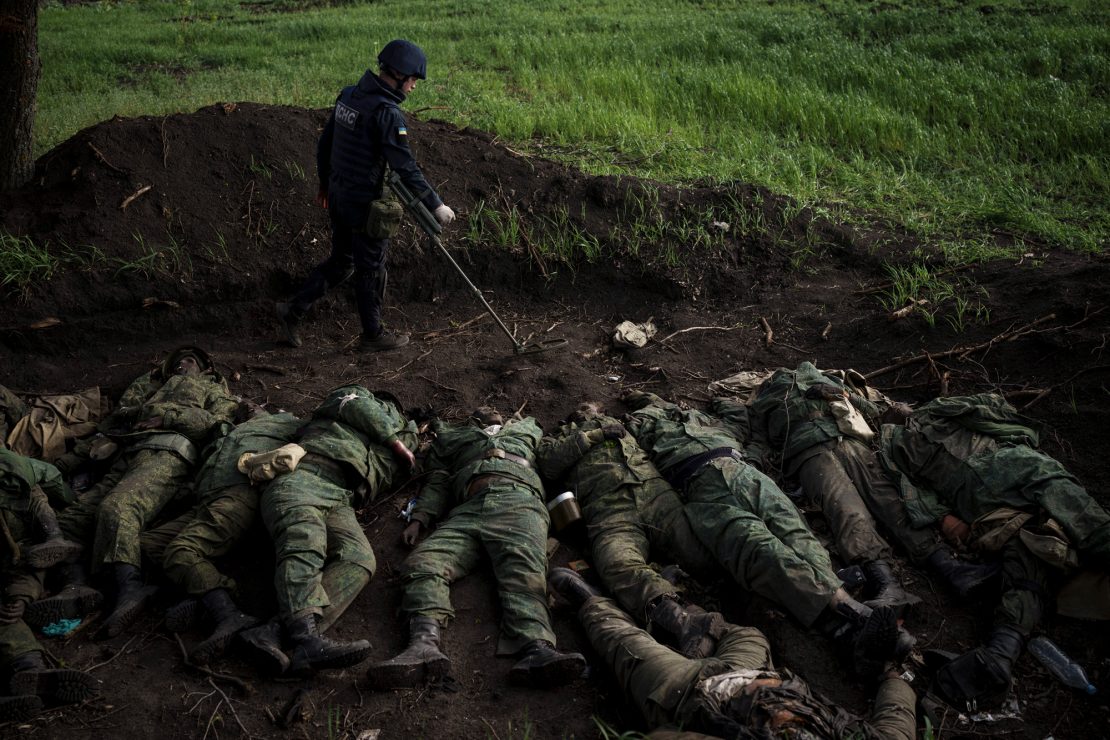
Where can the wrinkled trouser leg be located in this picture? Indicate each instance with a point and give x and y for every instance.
(667, 526)
(153, 479)
(653, 676)
(332, 271)
(827, 482)
(16, 639)
(515, 536)
(349, 566)
(884, 499)
(1026, 583)
(449, 553)
(78, 521)
(760, 538)
(153, 542)
(215, 528)
(620, 549)
(295, 509)
(893, 714)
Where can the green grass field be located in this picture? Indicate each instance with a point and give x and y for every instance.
(954, 120)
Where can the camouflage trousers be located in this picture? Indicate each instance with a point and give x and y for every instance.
(153, 479)
(760, 538)
(213, 528)
(16, 639)
(845, 478)
(1028, 584)
(507, 521)
(657, 679)
(630, 525)
(314, 527)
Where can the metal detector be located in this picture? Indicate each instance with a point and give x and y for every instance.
(432, 228)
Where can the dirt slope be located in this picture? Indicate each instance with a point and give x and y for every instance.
(228, 226)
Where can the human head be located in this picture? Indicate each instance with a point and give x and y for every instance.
(486, 416)
(403, 63)
(247, 410)
(186, 361)
(584, 412)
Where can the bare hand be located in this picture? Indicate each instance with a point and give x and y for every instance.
(402, 453)
(152, 423)
(322, 198)
(954, 529)
(411, 535)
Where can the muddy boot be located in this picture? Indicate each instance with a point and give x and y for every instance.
(76, 600)
(695, 630)
(421, 661)
(261, 647)
(884, 589)
(229, 621)
(185, 615)
(313, 652)
(965, 578)
(543, 667)
(53, 548)
(571, 586)
(867, 637)
(30, 675)
(383, 342)
(132, 598)
(17, 708)
(289, 319)
(983, 673)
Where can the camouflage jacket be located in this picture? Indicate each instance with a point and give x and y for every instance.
(673, 435)
(19, 474)
(221, 464)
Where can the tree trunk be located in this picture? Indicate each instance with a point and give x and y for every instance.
(19, 81)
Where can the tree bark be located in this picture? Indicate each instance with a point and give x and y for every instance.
(19, 81)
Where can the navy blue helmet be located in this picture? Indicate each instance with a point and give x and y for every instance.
(405, 58)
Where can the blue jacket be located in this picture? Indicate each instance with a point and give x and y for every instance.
(365, 132)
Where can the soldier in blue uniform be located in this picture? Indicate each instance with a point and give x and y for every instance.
(365, 135)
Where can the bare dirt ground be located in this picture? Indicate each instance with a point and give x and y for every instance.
(228, 227)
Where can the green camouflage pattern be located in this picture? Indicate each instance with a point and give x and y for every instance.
(16, 640)
(19, 474)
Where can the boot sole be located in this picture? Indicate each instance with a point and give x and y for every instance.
(267, 660)
(390, 675)
(16, 708)
(49, 554)
(216, 644)
(346, 660)
(61, 684)
(183, 616)
(79, 603)
(556, 672)
(123, 617)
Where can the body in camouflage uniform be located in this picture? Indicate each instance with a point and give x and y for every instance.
(629, 509)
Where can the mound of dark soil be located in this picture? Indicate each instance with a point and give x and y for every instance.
(185, 229)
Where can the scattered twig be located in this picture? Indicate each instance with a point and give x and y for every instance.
(768, 333)
(698, 328)
(516, 414)
(119, 652)
(439, 385)
(1051, 388)
(825, 332)
(131, 198)
(451, 331)
(398, 370)
(233, 680)
(229, 706)
(266, 368)
(104, 160)
(430, 107)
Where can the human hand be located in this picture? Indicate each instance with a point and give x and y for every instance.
(402, 453)
(411, 535)
(444, 214)
(152, 423)
(954, 529)
(322, 197)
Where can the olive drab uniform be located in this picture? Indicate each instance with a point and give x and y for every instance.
(800, 417)
(708, 695)
(310, 512)
(483, 491)
(738, 513)
(630, 511)
(227, 504)
(974, 455)
(193, 409)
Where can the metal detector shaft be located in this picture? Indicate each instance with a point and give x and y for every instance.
(431, 227)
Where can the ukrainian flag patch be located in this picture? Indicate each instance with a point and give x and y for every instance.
(402, 131)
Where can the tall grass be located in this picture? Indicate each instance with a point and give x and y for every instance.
(953, 119)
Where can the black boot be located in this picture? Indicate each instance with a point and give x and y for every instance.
(421, 661)
(290, 320)
(964, 577)
(56, 549)
(884, 589)
(261, 646)
(571, 586)
(867, 637)
(543, 667)
(982, 673)
(132, 598)
(184, 615)
(75, 601)
(314, 652)
(30, 675)
(229, 621)
(18, 708)
(695, 630)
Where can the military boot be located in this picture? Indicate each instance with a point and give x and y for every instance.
(965, 578)
(382, 342)
(30, 675)
(695, 630)
(261, 647)
(313, 652)
(884, 589)
(982, 673)
(868, 637)
(54, 548)
(18, 708)
(184, 615)
(229, 621)
(290, 320)
(571, 586)
(132, 598)
(543, 667)
(76, 599)
(422, 659)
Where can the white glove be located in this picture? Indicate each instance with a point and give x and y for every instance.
(444, 214)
